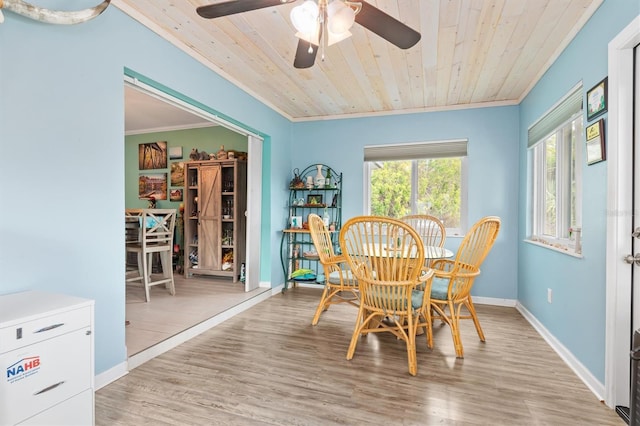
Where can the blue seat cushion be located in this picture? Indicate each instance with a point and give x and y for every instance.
(439, 288)
(416, 299)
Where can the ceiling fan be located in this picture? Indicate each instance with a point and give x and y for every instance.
(321, 23)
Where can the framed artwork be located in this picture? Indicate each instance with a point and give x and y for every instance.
(175, 195)
(175, 153)
(177, 174)
(314, 199)
(296, 222)
(152, 186)
(595, 142)
(597, 100)
(152, 155)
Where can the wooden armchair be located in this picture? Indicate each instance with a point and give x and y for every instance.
(387, 257)
(340, 284)
(453, 279)
(155, 236)
(430, 228)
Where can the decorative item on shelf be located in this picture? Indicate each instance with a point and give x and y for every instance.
(296, 222)
(309, 182)
(303, 275)
(332, 227)
(231, 155)
(319, 179)
(315, 200)
(195, 155)
(327, 179)
(311, 254)
(325, 218)
(222, 154)
(296, 182)
(576, 232)
(227, 261)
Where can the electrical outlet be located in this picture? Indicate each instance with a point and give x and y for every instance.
(549, 295)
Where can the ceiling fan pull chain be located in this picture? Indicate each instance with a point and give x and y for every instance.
(322, 17)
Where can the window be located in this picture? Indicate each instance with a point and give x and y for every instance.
(422, 178)
(555, 160)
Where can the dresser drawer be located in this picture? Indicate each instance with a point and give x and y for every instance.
(41, 375)
(46, 327)
(77, 411)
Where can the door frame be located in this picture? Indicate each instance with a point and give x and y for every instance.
(619, 215)
(254, 180)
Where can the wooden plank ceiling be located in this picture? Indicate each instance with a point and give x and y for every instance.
(472, 53)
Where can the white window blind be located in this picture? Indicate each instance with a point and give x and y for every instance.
(410, 151)
(565, 109)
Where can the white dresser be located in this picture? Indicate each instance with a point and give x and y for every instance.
(47, 359)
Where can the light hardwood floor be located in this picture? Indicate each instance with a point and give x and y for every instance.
(196, 300)
(268, 365)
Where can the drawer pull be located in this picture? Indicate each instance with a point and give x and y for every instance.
(49, 327)
(48, 388)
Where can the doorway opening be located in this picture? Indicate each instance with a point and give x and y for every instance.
(200, 302)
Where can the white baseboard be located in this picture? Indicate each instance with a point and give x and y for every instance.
(511, 303)
(111, 375)
(134, 361)
(581, 371)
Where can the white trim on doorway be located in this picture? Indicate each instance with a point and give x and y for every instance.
(619, 214)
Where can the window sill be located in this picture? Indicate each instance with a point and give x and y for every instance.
(563, 250)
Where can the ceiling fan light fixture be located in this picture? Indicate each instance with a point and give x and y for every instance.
(336, 38)
(312, 37)
(340, 17)
(305, 17)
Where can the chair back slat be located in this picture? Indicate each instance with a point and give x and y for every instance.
(430, 228)
(157, 226)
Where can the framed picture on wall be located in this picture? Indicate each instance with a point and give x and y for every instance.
(175, 194)
(595, 142)
(177, 174)
(175, 153)
(152, 155)
(597, 100)
(152, 186)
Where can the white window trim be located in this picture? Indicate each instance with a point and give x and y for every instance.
(534, 235)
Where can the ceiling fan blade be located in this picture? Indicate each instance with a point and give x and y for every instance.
(387, 27)
(303, 58)
(236, 6)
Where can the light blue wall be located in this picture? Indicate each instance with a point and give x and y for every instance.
(577, 315)
(62, 181)
(493, 170)
(62, 139)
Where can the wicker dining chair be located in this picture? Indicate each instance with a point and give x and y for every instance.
(340, 284)
(453, 279)
(430, 228)
(387, 258)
